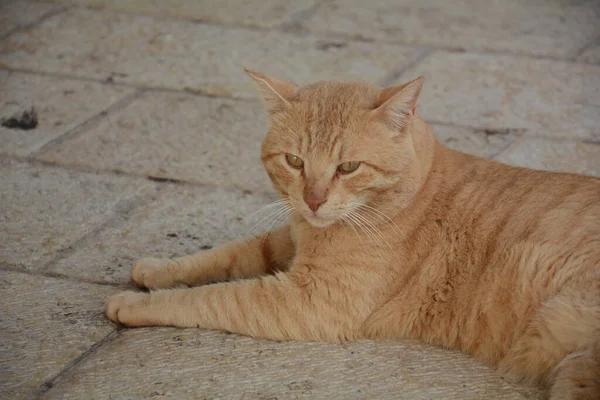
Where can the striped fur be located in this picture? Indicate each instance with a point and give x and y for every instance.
(420, 242)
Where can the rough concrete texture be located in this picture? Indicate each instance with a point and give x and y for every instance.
(576, 157)
(266, 13)
(592, 53)
(60, 105)
(177, 136)
(181, 221)
(46, 209)
(18, 13)
(180, 54)
(480, 142)
(148, 142)
(543, 28)
(45, 324)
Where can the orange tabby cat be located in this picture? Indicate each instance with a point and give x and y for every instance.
(393, 235)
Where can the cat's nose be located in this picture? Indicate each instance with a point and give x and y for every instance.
(314, 202)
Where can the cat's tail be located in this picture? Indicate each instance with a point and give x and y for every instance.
(560, 348)
(577, 376)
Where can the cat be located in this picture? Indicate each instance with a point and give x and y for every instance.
(393, 235)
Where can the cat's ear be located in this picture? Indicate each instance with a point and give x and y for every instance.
(397, 104)
(276, 93)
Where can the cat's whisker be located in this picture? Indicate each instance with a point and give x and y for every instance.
(362, 226)
(286, 213)
(268, 217)
(276, 216)
(271, 222)
(363, 221)
(369, 234)
(349, 223)
(270, 205)
(374, 212)
(373, 227)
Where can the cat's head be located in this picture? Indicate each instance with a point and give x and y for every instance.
(334, 148)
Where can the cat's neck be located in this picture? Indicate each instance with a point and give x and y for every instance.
(427, 150)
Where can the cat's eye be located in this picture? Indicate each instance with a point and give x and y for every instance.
(294, 161)
(348, 167)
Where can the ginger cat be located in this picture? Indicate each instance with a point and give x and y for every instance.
(392, 235)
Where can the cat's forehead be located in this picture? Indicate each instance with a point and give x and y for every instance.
(338, 95)
(326, 120)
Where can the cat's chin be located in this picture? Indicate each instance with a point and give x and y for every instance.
(319, 222)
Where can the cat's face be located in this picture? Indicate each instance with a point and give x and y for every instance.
(333, 149)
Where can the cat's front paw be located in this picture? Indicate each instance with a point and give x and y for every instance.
(152, 273)
(127, 308)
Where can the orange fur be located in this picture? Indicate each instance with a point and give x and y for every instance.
(419, 242)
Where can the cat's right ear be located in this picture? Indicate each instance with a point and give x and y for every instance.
(276, 93)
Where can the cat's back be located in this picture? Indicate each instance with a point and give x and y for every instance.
(503, 205)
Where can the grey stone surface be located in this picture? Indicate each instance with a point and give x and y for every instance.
(177, 136)
(592, 53)
(45, 323)
(539, 97)
(558, 156)
(19, 13)
(182, 221)
(480, 142)
(44, 209)
(543, 28)
(181, 54)
(178, 363)
(266, 13)
(60, 105)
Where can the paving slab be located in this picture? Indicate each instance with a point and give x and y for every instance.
(60, 105)
(480, 142)
(191, 363)
(591, 54)
(543, 28)
(176, 136)
(45, 323)
(43, 209)
(506, 93)
(184, 220)
(19, 13)
(186, 55)
(559, 156)
(262, 13)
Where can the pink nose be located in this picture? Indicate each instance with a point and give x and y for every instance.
(315, 202)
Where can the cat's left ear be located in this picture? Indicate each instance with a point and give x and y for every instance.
(276, 93)
(396, 105)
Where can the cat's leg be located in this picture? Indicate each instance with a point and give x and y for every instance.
(240, 259)
(561, 346)
(280, 306)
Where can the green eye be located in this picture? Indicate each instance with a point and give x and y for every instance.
(294, 161)
(348, 167)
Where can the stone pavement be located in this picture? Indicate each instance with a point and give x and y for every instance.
(147, 144)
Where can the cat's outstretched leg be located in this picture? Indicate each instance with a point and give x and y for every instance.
(281, 306)
(240, 259)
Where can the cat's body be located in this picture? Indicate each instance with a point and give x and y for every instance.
(418, 241)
